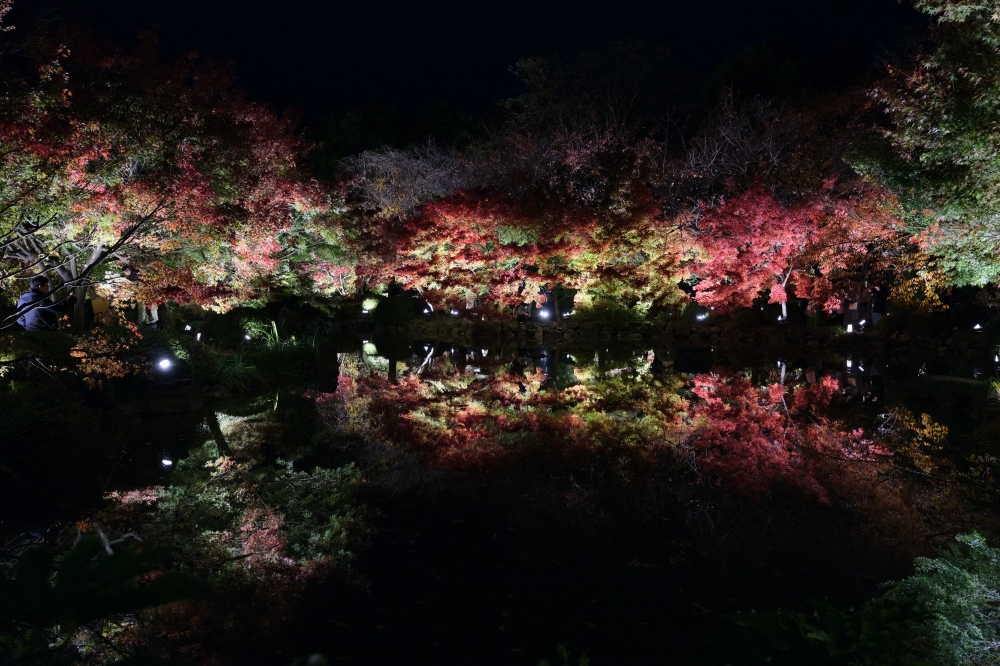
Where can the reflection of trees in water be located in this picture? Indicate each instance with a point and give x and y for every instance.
(619, 431)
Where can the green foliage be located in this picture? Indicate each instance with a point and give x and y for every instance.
(253, 522)
(46, 601)
(946, 614)
(610, 312)
(566, 657)
(946, 159)
(238, 374)
(959, 592)
(263, 332)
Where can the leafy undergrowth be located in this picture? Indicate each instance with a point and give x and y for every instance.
(251, 527)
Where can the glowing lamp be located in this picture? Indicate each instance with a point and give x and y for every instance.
(246, 337)
(848, 363)
(164, 364)
(454, 313)
(188, 327)
(850, 328)
(977, 327)
(544, 314)
(197, 336)
(167, 462)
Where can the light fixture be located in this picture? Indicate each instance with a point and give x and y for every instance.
(427, 311)
(848, 363)
(164, 364)
(977, 327)
(188, 327)
(862, 322)
(246, 337)
(544, 314)
(703, 316)
(167, 462)
(197, 336)
(454, 313)
(850, 328)
(364, 311)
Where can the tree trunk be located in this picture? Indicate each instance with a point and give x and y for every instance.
(220, 439)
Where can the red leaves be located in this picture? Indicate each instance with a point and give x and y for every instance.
(747, 441)
(752, 243)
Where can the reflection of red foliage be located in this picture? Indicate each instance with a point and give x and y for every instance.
(754, 444)
(747, 440)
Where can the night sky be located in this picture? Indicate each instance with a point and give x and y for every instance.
(319, 54)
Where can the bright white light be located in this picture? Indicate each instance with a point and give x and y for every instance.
(427, 311)
(454, 312)
(486, 353)
(850, 328)
(167, 462)
(246, 337)
(704, 316)
(364, 342)
(197, 336)
(862, 322)
(996, 359)
(848, 363)
(364, 312)
(188, 327)
(544, 314)
(977, 327)
(164, 364)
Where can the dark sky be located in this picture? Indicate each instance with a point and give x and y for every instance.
(314, 54)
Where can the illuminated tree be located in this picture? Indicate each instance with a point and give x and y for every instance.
(942, 156)
(753, 245)
(166, 169)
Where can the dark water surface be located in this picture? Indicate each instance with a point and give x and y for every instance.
(452, 576)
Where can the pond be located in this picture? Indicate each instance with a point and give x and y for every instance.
(431, 502)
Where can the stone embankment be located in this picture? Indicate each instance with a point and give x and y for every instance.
(685, 334)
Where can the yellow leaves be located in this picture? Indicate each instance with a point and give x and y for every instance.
(924, 434)
(220, 465)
